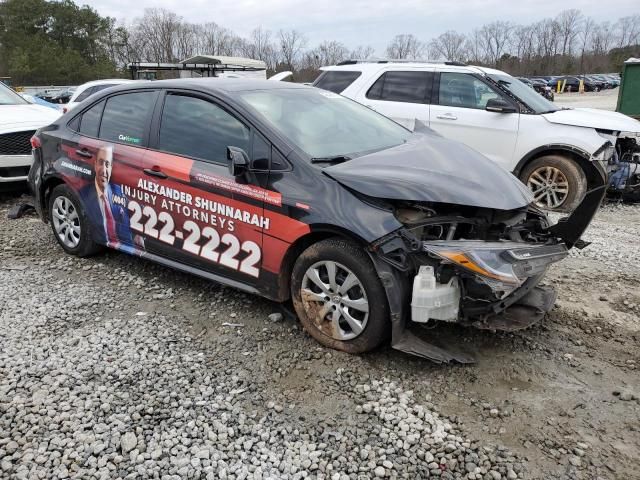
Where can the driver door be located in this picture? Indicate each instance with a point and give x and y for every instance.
(458, 112)
(189, 207)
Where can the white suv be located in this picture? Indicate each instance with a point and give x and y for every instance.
(19, 120)
(546, 146)
(87, 89)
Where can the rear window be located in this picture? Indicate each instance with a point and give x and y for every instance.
(408, 87)
(336, 81)
(126, 116)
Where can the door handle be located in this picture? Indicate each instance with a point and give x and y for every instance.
(447, 116)
(155, 172)
(84, 153)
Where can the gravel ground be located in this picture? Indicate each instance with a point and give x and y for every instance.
(113, 367)
(605, 99)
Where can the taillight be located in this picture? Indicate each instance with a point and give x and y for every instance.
(35, 142)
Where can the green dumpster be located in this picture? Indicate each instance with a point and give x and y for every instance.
(629, 93)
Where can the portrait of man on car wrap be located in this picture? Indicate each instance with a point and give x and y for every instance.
(111, 219)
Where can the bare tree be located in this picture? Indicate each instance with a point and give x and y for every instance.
(155, 33)
(406, 46)
(569, 22)
(628, 31)
(291, 44)
(261, 47)
(362, 52)
(474, 47)
(449, 45)
(214, 39)
(495, 38)
(601, 38)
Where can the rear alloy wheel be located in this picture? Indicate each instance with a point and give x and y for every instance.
(338, 296)
(557, 183)
(69, 223)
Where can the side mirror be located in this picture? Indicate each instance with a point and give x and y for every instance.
(238, 161)
(500, 105)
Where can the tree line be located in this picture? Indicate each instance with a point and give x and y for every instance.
(46, 42)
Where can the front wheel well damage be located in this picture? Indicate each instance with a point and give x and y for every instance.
(299, 246)
(593, 174)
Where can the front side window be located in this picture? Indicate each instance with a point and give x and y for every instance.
(126, 116)
(336, 81)
(90, 120)
(409, 87)
(536, 102)
(465, 91)
(324, 124)
(197, 128)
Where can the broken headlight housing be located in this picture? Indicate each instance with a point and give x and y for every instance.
(503, 266)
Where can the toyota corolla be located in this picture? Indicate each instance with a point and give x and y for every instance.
(295, 193)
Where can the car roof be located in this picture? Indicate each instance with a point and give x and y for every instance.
(214, 84)
(106, 80)
(372, 67)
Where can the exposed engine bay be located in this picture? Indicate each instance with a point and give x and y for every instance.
(476, 258)
(624, 168)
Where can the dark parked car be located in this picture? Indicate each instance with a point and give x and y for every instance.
(572, 84)
(293, 192)
(541, 86)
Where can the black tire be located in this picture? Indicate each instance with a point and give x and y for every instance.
(85, 246)
(575, 178)
(347, 254)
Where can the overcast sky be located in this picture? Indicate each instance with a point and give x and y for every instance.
(363, 22)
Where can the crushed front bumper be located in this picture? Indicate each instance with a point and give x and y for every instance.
(524, 306)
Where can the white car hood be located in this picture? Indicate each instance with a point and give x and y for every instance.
(25, 117)
(594, 118)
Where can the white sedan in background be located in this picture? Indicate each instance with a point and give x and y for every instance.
(19, 120)
(87, 89)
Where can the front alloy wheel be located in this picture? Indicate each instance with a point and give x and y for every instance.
(549, 186)
(557, 182)
(334, 297)
(338, 296)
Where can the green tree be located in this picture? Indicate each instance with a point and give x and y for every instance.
(53, 42)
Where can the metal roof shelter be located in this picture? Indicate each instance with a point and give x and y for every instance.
(203, 66)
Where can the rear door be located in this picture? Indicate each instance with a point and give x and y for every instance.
(458, 112)
(402, 95)
(186, 204)
(110, 143)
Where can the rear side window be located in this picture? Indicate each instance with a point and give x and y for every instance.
(90, 120)
(126, 116)
(194, 127)
(336, 81)
(409, 87)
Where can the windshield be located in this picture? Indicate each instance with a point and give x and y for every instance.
(527, 95)
(323, 124)
(9, 97)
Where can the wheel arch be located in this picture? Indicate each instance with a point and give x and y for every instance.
(592, 170)
(317, 234)
(45, 192)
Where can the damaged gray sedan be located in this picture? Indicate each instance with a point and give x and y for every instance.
(298, 194)
(473, 248)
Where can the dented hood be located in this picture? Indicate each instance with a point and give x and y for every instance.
(430, 168)
(594, 118)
